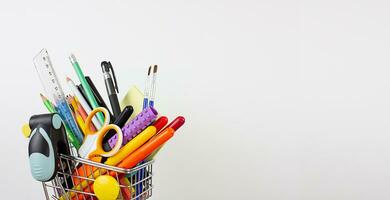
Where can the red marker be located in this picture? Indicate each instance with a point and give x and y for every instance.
(160, 123)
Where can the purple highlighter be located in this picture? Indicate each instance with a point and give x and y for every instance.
(139, 123)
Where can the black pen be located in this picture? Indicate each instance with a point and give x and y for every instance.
(81, 90)
(111, 86)
(98, 97)
(96, 94)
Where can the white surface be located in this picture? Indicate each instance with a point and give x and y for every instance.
(283, 99)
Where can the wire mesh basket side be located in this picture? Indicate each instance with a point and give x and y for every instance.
(75, 177)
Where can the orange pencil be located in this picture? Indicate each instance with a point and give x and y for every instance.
(81, 111)
(145, 150)
(83, 114)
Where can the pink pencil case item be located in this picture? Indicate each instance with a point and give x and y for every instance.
(135, 126)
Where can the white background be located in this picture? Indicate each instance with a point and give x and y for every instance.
(283, 99)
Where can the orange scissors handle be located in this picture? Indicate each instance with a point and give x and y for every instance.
(88, 121)
(93, 141)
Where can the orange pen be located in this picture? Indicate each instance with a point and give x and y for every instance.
(141, 153)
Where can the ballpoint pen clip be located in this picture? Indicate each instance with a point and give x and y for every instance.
(114, 77)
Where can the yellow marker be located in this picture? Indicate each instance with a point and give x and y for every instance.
(131, 146)
(26, 130)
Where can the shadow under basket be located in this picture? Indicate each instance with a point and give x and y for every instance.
(75, 177)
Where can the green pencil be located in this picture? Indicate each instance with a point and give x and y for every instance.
(86, 87)
(48, 104)
(51, 109)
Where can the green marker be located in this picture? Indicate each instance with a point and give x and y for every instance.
(86, 87)
(51, 109)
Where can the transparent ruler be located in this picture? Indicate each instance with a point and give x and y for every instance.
(54, 91)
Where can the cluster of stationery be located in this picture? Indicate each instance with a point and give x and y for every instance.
(125, 135)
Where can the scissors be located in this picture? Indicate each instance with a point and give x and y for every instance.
(93, 140)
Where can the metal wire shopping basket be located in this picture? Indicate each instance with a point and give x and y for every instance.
(135, 183)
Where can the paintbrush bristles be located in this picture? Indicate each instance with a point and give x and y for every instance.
(150, 68)
(155, 69)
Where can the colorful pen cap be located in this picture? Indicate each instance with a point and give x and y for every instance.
(177, 123)
(160, 123)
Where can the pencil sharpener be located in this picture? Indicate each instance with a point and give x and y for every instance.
(47, 140)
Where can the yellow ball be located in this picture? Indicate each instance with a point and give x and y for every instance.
(106, 188)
